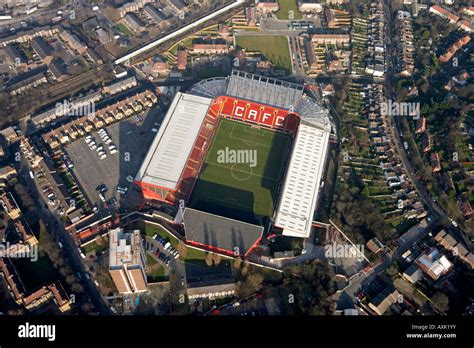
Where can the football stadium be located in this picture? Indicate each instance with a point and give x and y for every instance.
(243, 155)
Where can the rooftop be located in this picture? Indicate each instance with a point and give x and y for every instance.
(220, 232)
(174, 141)
(301, 188)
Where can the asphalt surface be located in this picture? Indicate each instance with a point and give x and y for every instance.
(132, 140)
(56, 229)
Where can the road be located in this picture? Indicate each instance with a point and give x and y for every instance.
(425, 196)
(56, 229)
(348, 297)
(178, 32)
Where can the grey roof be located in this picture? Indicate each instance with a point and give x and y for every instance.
(41, 47)
(220, 232)
(174, 141)
(179, 4)
(261, 89)
(27, 78)
(211, 88)
(15, 55)
(154, 13)
(133, 21)
(58, 68)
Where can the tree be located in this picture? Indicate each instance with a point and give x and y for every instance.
(182, 249)
(441, 301)
(216, 259)
(237, 263)
(312, 284)
(250, 284)
(208, 259)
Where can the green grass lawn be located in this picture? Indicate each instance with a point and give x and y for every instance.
(97, 245)
(239, 190)
(272, 47)
(194, 254)
(151, 230)
(191, 254)
(124, 30)
(155, 272)
(285, 7)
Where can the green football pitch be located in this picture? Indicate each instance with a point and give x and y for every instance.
(242, 171)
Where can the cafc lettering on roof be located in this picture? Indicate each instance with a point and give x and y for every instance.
(253, 112)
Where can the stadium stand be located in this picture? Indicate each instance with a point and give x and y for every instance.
(217, 233)
(176, 158)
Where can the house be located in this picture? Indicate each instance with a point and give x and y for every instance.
(182, 60)
(434, 263)
(177, 5)
(435, 162)
(15, 57)
(375, 245)
(93, 57)
(413, 274)
(10, 206)
(134, 23)
(328, 90)
(210, 48)
(9, 134)
(73, 42)
(267, 6)
(451, 51)
(42, 49)
(331, 38)
(27, 80)
(469, 10)
(466, 25)
(210, 288)
(58, 69)
(382, 302)
(438, 10)
(154, 14)
(310, 5)
(421, 125)
(25, 232)
(7, 173)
